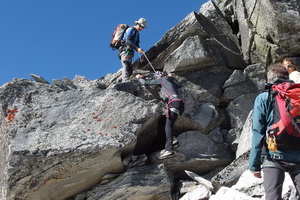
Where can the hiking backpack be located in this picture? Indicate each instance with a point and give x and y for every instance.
(117, 36)
(284, 133)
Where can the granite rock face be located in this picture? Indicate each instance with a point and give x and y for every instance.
(99, 139)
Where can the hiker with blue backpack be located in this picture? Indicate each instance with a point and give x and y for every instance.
(127, 43)
(275, 134)
(174, 105)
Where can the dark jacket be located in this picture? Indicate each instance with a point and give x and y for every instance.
(169, 87)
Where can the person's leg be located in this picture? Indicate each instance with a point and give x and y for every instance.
(171, 118)
(170, 121)
(273, 181)
(129, 70)
(294, 172)
(169, 135)
(296, 180)
(126, 66)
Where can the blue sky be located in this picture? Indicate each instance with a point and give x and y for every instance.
(57, 38)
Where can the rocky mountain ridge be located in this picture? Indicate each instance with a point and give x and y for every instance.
(99, 139)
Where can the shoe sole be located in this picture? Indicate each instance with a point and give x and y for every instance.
(164, 157)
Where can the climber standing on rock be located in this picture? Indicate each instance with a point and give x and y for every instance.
(130, 42)
(174, 104)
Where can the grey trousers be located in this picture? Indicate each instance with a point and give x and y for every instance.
(126, 65)
(274, 172)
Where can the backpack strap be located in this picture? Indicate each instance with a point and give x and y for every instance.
(284, 96)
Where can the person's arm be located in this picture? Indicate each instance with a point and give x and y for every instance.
(148, 82)
(259, 125)
(132, 39)
(137, 44)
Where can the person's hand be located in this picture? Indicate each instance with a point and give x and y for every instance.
(140, 50)
(138, 76)
(257, 174)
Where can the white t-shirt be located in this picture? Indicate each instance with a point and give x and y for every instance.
(295, 76)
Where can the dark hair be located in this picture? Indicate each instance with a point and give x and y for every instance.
(295, 62)
(276, 71)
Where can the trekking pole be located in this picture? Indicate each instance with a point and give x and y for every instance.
(149, 62)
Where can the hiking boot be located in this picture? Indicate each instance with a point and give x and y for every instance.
(165, 154)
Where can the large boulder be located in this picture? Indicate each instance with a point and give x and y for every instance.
(64, 141)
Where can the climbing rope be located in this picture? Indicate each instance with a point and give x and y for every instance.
(149, 62)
